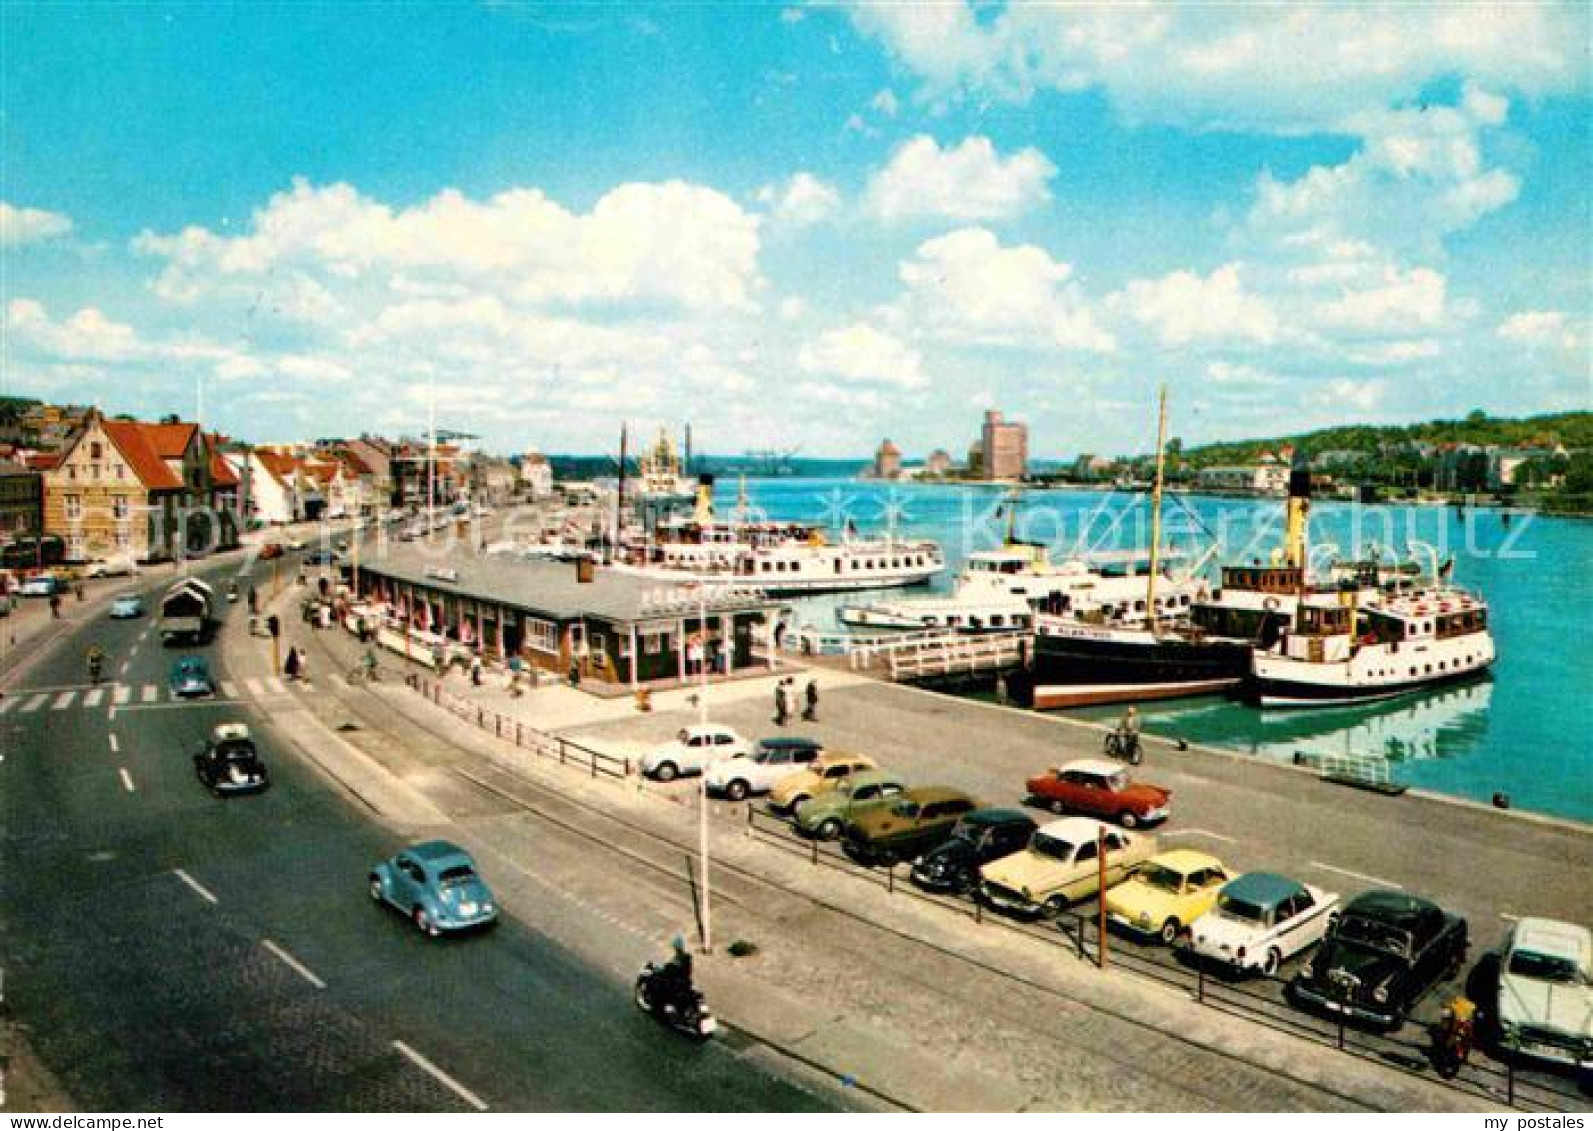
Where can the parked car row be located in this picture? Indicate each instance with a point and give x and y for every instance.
(1371, 959)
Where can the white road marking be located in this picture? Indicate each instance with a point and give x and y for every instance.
(35, 703)
(1378, 880)
(276, 685)
(115, 746)
(64, 700)
(254, 687)
(204, 894)
(229, 689)
(7, 704)
(93, 698)
(127, 779)
(294, 964)
(122, 694)
(149, 694)
(442, 1077)
(1201, 832)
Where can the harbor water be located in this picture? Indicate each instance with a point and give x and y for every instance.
(1525, 733)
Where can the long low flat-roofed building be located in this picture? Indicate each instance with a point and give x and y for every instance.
(616, 627)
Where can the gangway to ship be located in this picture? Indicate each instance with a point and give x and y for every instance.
(925, 654)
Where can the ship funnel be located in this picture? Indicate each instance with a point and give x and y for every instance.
(704, 512)
(1295, 550)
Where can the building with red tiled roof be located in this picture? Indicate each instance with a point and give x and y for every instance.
(149, 491)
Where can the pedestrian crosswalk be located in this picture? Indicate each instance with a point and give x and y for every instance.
(132, 696)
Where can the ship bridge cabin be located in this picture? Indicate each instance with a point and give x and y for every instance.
(1264, 579)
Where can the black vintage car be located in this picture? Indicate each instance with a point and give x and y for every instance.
(980, 837)
(228, 764)
(1384, 954)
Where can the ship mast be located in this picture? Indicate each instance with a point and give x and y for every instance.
(1156, 511)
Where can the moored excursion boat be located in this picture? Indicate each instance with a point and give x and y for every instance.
(778, 558)
(1349, 653)
(1005, 589)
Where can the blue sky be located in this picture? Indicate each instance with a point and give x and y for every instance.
(796, 225)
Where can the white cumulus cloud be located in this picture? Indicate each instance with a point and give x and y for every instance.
(1295, 67)
(861, 353)
(1185, 307)
(966, 287)
(30, 225)
(672, 242)
(804, 199)
(971, 181)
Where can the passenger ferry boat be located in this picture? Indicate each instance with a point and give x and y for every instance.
(1003, 589)
(778, 558)
(1349, 653)
(1200, 647)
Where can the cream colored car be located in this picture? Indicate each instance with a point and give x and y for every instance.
(1062, 866)
(830, 768)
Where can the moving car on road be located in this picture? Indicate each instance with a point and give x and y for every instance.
(757, 770)
(1384, 953)
(40, 585)
(120, 566)
(908, 827)
(692, 751)
(824, 773)
(1545, 996)
(190, 678)
(1061, 866)
(1094, 787)
(228, 764)
(828, 815)
(1168, 892)
(127, 606)
(436, 885)
(1260, 920)
(980, 837)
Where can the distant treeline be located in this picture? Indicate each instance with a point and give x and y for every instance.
(1572, 429)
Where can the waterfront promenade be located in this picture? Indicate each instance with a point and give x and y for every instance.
(1484, 864)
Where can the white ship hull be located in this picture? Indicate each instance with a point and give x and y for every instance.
(1373, 673)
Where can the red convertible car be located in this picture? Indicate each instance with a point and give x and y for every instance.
(1101, 789)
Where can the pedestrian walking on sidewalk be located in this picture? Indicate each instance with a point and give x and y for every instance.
(475, 671)
(254, 602)
(55, 606)
(782, 704)
(811, 711)
(290, 666)
(304, 667)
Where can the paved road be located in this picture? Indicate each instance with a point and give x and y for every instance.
(174, 952)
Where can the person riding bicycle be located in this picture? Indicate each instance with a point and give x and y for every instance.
(96, 662)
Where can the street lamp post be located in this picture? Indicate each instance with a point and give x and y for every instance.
(702, 780)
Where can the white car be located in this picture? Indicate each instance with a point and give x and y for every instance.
(1546, 992)
(1261, 920)
(295, 543)
(42, 585)
(757, 770)
(112, 567)
(692, 751)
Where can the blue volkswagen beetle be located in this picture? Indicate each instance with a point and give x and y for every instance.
(190, 677)
(127, 606)
(436, 885)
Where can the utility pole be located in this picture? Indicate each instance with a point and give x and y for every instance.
(1156, 517)
(702, 779)
(1100, 857)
